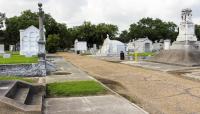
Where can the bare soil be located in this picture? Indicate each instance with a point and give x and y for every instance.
(157, 92)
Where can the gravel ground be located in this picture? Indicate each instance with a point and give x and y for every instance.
(157, 92)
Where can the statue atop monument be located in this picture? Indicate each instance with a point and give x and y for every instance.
(186, 15)
(186, 28)
(185, 51)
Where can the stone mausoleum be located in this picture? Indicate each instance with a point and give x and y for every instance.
(29, 41)
(185, 50)
(140, 45)
(80, 46)
(111, 48)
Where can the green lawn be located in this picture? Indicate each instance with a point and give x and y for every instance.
(74, 88)
(18, 59)
(143, 54)
(17, 78)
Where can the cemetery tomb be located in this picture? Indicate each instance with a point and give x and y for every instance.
(185, 50)
(80, 46)
(157, 46)
(130, 46)
(111, 48)
(167, 44)
(29, 41)
(143, 45)
(93, 50)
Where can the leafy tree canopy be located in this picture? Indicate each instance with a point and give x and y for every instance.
(154, 29)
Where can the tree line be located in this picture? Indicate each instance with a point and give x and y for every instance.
(60, 37)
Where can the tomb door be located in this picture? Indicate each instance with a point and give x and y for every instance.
(147, 47)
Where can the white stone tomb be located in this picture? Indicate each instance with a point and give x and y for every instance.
(167, 44)
(29, 41)
(143, 45)
(80, 46)
(111, 48)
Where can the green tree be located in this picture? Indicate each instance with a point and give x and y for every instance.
(52, 43)
(124, 36)
(26, 19)
(103, 29)
(93, 34)
(154, 29)
(14, 24)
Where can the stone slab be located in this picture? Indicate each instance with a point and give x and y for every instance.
(182, 57)
(158, 66)
(108, 104)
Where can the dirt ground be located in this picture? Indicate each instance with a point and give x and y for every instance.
(156, 92)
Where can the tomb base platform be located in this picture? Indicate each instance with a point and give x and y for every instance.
(190, 45)
(182, 57)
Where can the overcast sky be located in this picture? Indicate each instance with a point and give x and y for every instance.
(119, 12)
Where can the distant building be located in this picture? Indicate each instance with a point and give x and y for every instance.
(29, 41)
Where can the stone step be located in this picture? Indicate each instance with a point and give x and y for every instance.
(21, 95)
(35, 99)
(22, 98)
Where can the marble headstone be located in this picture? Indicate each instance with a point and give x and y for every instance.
(11, 47)
(1, 48)
(6, 55)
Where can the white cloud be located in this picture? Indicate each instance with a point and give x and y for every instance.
(119, 12)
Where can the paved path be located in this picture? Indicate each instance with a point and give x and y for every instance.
(158, 92)
(107, 104)
(74, 74)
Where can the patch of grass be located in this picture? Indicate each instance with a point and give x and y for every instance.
(13, 52)
(6, 78)
(74, 88)
(18, 59)
(85, 54)
(143, 54)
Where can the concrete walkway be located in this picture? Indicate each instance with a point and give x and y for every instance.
(107, 104)
(72, 73)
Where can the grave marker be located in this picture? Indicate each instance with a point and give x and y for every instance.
(2, 49)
